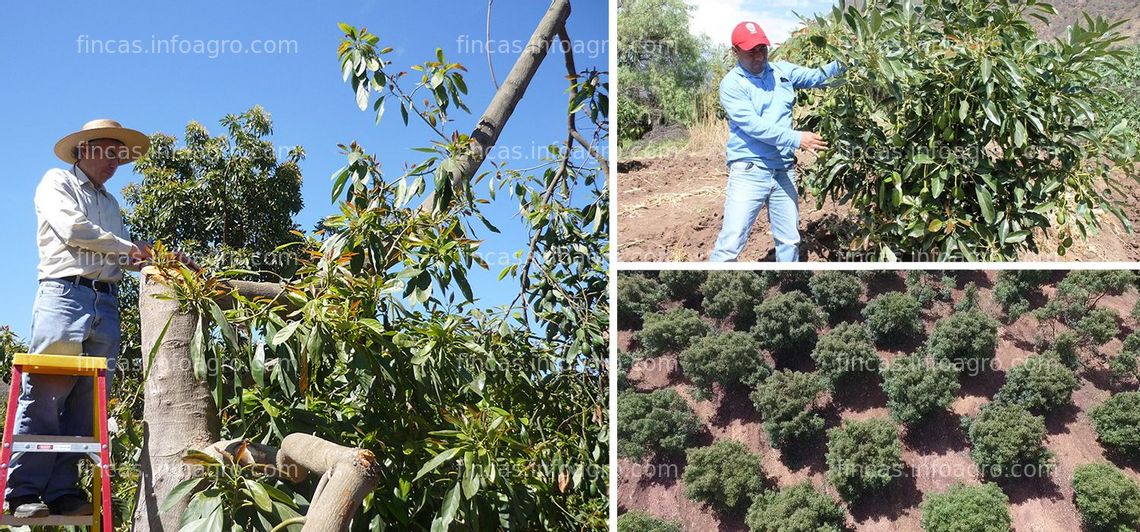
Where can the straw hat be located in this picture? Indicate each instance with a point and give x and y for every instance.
(136, 142)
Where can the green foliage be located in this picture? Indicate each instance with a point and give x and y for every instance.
(863, 457)
(1013, 288)
(799, 508)
(243, 197)
(787, 321)
(1008, 440)
(733, 293)
(927, 287)
(658, 421)
(1041, 384)
(1107, 499)
(643, 522)
(963, 507)
(1125, 366)
(786, 401)
(938, 127)
(969, 300)
(682, 284)
(638, 295)
(625, 363)
(1066, 347)
(967, 339)
(725, 474)
(1099, 326)
(1080, 291)
(789, 280)
(728, 359)
(916, 386)
(671, 331)
(845, 350)
(1117, 422)
(835, 291)
(892, 317)
(249, 497)
(662, 65)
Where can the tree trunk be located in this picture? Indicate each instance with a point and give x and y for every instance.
(502, 105)
(178, 412)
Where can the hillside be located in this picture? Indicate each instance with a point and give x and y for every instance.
(936, 452)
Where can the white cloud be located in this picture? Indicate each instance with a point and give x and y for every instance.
(716, 18)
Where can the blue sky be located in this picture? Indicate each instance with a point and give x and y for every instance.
(58, 81)
(716, 18)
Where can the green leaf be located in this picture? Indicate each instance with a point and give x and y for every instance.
(923, 158)
(1018, 133)
(363, 92)
(991, 112)
(963, 109)
(346, 29)
(198, 351)
(986, 202)
(224, 324)
(987, 66)
(181, 491)
(435, 462)
(283, 335)
(450, 506)
(934, 226)
(260, 496)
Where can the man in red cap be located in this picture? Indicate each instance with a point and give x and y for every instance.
(757, 96)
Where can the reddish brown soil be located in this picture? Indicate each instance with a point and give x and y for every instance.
(670, 209)
(936, 453)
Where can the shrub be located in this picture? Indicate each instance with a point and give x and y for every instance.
(893, 316)
(787, 321)
(733, 293)
(969, 299)
(786, 402)
(1099, 325)
(799, 508)
(1080, 291)
(845, 350)
(1125, 366)
(928, 287)
(1135, 314)
(912, 200)
(916, 386)
(638, 295)
(1107, 499)
(835, 291)
(625, 363)
(681, 284)
(1066, 347)
(1040, 384)
(863, 456)
(789, 280)
(1117, 422)
(967, 508)
(1013, 288)
(967, 339)
(643, 522)
(1007, 441)
(729, 359)
(725, 474)
(659, 421)
(670, 331)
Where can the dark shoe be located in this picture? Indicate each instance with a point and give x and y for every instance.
(26, 507)
(71, 505)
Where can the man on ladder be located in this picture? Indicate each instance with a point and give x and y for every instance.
(83, 247)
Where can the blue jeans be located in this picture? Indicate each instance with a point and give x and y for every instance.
(751, 187)
(67, 319)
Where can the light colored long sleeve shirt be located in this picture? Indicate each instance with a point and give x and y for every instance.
(80, 229)
(759, 109)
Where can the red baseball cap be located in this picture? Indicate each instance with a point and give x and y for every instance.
(748, 35)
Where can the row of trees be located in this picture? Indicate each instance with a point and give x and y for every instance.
(770, 328)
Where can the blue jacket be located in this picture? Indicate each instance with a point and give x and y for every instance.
(759, 109)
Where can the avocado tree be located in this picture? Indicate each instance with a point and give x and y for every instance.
(863, 456)
(963, 507)
(725, 474)
(917, 386)
(957, 132)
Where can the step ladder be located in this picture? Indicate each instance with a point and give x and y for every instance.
(97, 447)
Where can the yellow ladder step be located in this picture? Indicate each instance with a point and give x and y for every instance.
(59, 364)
